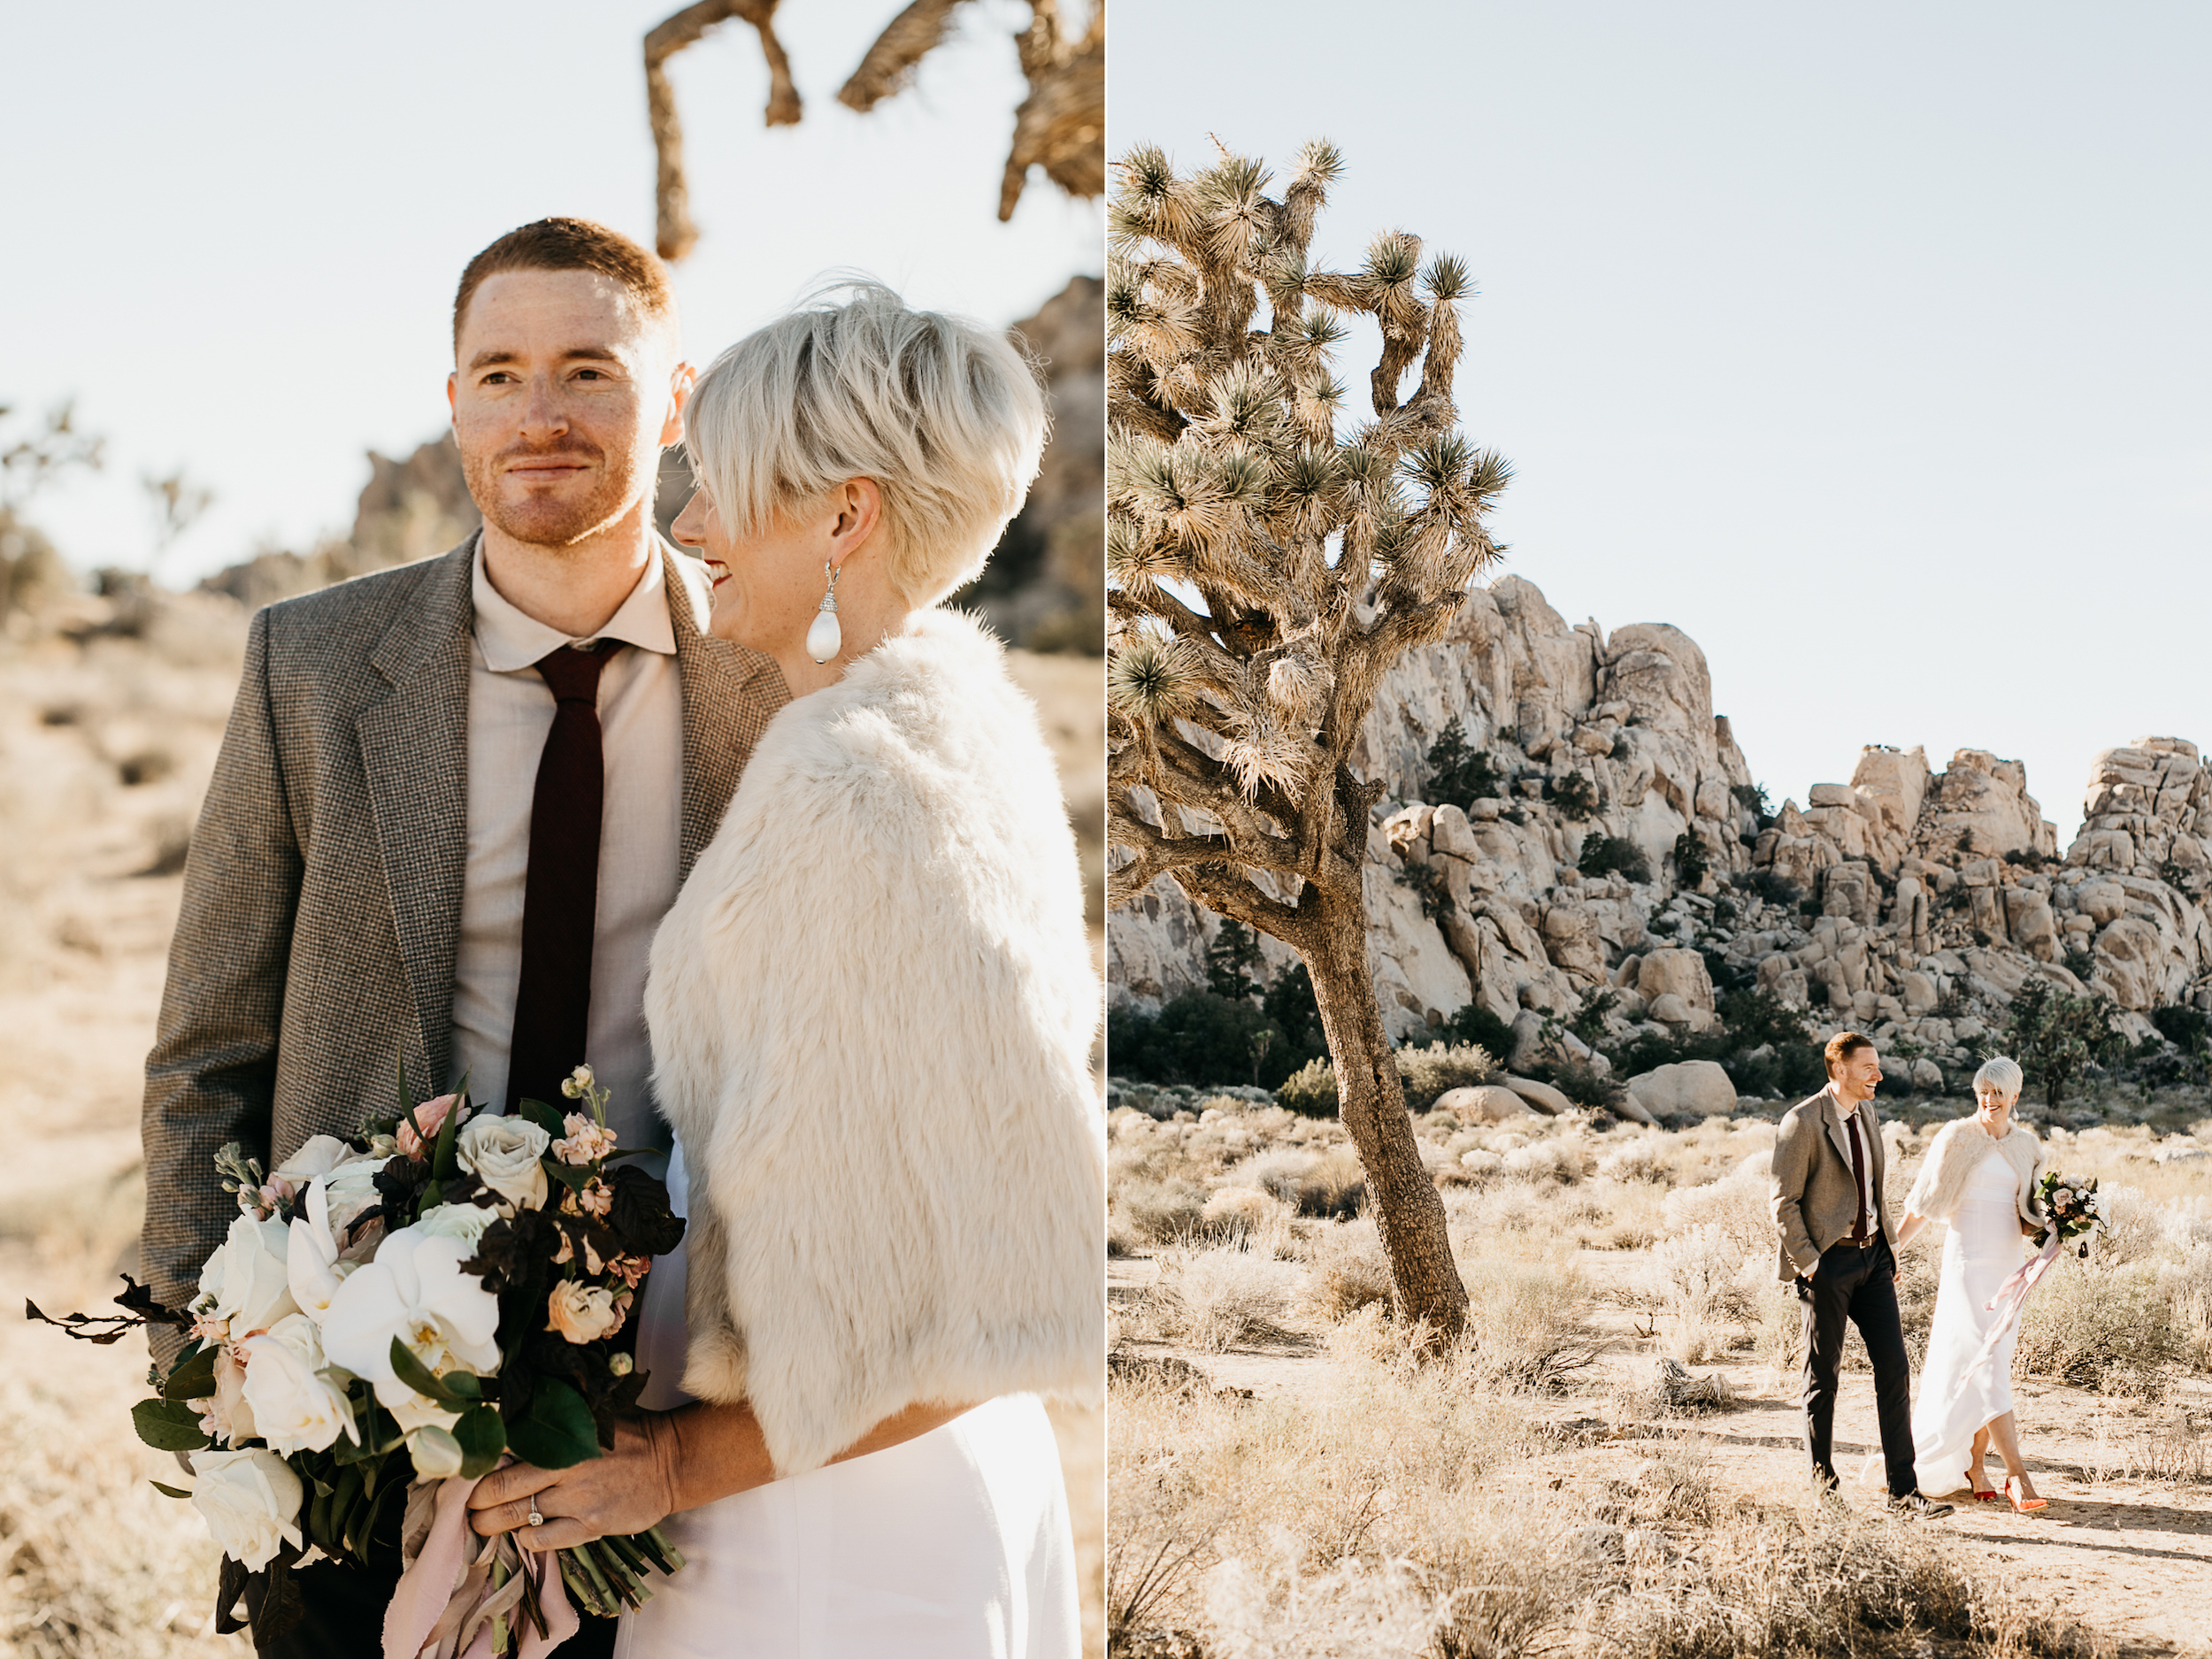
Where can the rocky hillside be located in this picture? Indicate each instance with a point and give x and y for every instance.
(1913, 904)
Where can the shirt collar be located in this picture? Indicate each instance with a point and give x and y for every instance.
(512, 642)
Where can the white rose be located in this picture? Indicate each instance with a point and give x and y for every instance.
(294, 1407)
(247, 1282)
(437, 1454)
(251, 1502)
(503, 1153)
(351, 1188)
(416, 1291)
(465, 1224)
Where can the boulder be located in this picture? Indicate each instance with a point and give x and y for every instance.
(1669, 1009)
(1486, 1103)
(1543, 1096)
(1698, 1086)
(1678, 973)
(1926, 1074)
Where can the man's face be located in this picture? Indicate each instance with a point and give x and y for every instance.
(563, 397)
(1859, 1074)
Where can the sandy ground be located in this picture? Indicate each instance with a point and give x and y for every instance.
(2128, 1558)
(92, 1560)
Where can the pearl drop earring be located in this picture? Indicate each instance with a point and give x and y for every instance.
(822, 636)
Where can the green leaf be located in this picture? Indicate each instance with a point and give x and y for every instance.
(554, 1430)
(168, 1492)
(549, 1118)
(445, 1163)
(483, 1437)
(380, 1434)
(419, 1377)
(193, 1377)
(567, 1174)
(170, 1425)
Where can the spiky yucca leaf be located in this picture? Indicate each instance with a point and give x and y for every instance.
(1267, 754)
(1441, 465)
(1320, 162)
(1321, 329)
(1394, 262)
(1136, 563)
(1299, 682)
(1448, 279)
(1487, 475)
(1152, 680)
(1248, 405)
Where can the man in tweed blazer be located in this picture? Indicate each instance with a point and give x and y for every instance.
(1839, 1249)
(322, 939)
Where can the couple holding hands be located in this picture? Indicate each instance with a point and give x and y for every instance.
(1838, 1247)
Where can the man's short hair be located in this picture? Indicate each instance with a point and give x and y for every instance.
(1841, 1047)
(571, 244)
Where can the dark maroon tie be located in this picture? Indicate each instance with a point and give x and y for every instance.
(561, 890)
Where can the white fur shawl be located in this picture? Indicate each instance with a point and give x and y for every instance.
(872, 1006)
(1960, 1147)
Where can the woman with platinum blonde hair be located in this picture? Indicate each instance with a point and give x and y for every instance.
(1979, 1178)
(872, 1010)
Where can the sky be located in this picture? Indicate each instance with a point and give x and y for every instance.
(232, 232)
(1867, 345)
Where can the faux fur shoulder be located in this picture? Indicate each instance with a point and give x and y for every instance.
(1957, 1150)
(871, 1007)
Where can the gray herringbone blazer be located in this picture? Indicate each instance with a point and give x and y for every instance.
(1814, 1194)
(322, 896)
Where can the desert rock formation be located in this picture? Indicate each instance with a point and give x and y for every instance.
(1912, 904)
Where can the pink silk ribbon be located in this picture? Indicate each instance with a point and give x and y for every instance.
(443, 1606)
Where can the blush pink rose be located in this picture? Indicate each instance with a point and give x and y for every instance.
(431, 1115)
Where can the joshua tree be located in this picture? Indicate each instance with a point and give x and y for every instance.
(1267, 562)
(1060, 125)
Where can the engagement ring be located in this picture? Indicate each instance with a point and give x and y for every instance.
(535, 1518)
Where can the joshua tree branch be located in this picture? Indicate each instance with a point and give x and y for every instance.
(675, 235)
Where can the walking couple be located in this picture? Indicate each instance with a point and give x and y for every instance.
(1838, 1247)
(778, 847)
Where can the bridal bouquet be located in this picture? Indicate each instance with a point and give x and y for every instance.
(2075, 1208)
(390, 1316)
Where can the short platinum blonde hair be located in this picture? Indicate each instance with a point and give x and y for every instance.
(2001, 1074)
(944, 413)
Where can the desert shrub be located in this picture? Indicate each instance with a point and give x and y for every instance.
(1310, 1089)
(1431, 1071)
(1459, 774)
(1219, 1299)
(1575, 797)
(2187, 1286)
(1157, 1212)
(1614, 854)
(1347, 1270)
(1200, 1037)
(1533, 1332)
(2188, 1029)
(1280, 1171)
(2108, 1329)
(2054, 1034)
(1334, 1188)
(1477, 1025)
(1640, 1158)
(1690, 1279)
(1771, 1580)
(1691, 860)
(1737, 1204)
(1246, 1216)
(1753, 798)
(1562, 1158)
(1580, 1082)
(2135, 1225)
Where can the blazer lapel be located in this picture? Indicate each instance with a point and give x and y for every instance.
(1838, 1136)
(730, 694)
(414, 752)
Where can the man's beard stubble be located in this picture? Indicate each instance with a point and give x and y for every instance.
(543, 521)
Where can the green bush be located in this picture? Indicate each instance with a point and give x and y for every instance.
(1477, 1025)
(1310, 1089)
(1234, 962)
(1575, 797)
(1423, 1074)
(2053, 1034)
(1459, 774)
(1611, 855)
(1691, 860)
(2188, 1029)
(1200, 1037)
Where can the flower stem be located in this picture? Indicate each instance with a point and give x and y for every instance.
(673, 1557)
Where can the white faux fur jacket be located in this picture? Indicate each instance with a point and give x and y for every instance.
(872, 1009)
(1960, 1145)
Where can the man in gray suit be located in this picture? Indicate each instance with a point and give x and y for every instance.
(455, 799)
(1839, 1247)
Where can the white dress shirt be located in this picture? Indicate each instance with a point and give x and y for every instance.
(510, 712)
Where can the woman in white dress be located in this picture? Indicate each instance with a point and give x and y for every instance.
(872, 1010)
(1980, 1179)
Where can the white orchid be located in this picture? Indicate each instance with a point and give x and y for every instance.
(320, 1154)
(313, 1267)
(414, 1291)
(295, 1406)
(463, 1224)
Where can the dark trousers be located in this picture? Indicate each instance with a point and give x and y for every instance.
(344, 1616)
(1858, 1284)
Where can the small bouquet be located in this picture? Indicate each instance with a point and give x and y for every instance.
(2076, 1208)
(388, 1318)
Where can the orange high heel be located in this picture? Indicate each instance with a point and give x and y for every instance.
(2024, 1505)
(1982, 1495)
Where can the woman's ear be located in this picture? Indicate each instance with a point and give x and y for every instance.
(857, 509)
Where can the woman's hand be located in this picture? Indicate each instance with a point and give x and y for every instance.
(619, 1492)
(1911, 1225)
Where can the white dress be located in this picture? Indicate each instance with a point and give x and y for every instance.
(1957, 1394)
(954, 1545)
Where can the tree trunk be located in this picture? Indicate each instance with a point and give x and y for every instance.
(1408, 1213)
